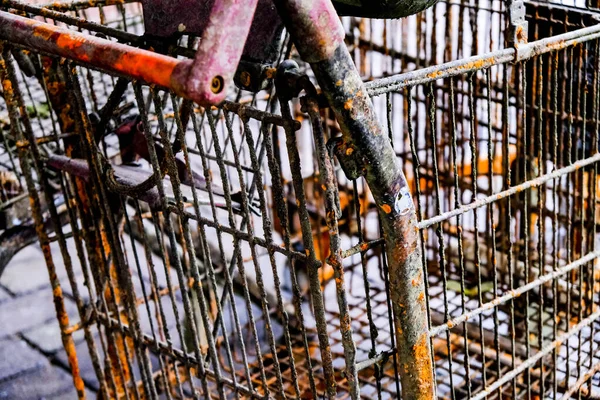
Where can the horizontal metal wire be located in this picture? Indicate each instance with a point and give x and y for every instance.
(464, 66)
(533, 183)
(538, 356)
(514, 293)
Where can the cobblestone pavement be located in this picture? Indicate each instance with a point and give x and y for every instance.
(32, 360)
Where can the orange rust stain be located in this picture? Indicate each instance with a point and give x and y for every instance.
(270, 73)
(423, 366)
(339, 83)
(42, 33)
(417, 281)
(69, 346)
(386, 208)
(434, 74)
(348, 104)
(63, 318)
(558, 45)
(142, 64)
(57, 291)
(151, 67)
(7, 84)
(421, 297)
(105, 243)
(349, 151)
(521, 34)
(479, 63)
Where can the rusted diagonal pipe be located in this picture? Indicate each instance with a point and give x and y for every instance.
(366, 150)
(101, 53)
(185, 77)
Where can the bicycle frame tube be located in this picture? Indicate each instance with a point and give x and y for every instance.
(366, 150)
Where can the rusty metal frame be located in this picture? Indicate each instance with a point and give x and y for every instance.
(204, 80)
(110, 56)
(319, 37)
(365, 149)
(524, 52)
(363, 141)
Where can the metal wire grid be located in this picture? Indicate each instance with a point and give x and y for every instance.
(469, 356)
(250, 367)
(518, 330)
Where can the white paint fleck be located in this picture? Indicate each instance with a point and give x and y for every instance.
(404, 203)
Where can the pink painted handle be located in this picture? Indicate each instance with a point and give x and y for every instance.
(206, 79)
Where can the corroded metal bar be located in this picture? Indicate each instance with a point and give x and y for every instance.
(312, 262)
(513, 294)
(463, 66)
(513, 190)
(42, 11)
(11, 94)
(203, 80)
(546, 350)
(518, 26)
(577, 386)
(76, 5)
(206, 79)
(101, 53)
(328, 181)
(366, 149)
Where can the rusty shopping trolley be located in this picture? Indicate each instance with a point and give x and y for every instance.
(259, 199)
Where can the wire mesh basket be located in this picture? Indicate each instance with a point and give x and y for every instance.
(217, 279)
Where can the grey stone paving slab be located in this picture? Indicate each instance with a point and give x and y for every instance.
(71, 395)
(16, 357)
(45, 383)
(26, 312)
(26, 271)
(4, 295)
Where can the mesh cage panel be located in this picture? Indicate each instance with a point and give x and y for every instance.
(199, 285)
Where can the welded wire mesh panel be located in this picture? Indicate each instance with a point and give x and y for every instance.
(503, 164)
(196, 240)
(198, 286)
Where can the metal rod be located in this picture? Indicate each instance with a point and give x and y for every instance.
(538, 356)
(584, 378)
(515, 293)
(12, 94)
(320, 42)
(475, 63)
(150, 67)
(533, 183)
